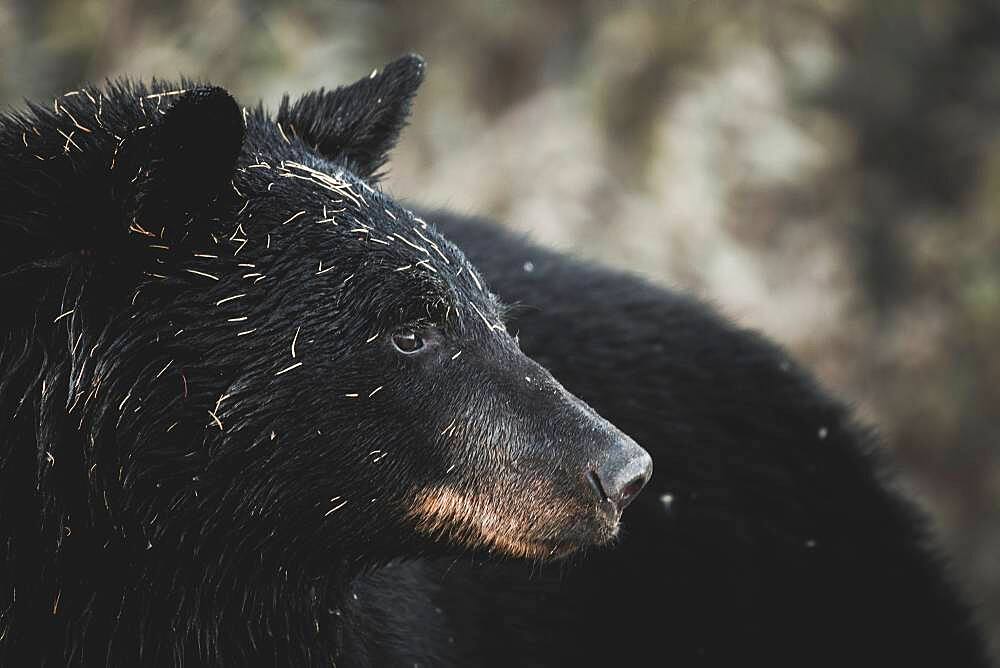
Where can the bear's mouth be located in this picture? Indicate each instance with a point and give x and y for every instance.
(549, 551)
(577, 539)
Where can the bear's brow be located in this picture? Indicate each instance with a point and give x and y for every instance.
(350, 206)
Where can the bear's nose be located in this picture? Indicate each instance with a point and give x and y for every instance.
(620, 477)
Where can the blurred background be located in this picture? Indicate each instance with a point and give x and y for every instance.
(827, 171)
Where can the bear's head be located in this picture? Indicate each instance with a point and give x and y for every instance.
(271, 356)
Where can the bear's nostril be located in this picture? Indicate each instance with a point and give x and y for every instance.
(631, 491)
(595, 483)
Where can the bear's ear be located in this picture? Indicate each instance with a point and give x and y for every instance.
(357, 125)
(183, 161)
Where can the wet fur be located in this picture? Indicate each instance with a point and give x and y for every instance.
(202, 442)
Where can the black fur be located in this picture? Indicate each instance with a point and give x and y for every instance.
(197, 372)
(207, 433)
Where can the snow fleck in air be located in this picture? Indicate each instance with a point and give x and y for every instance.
(667, 500)
(529, 266)
(822, 433)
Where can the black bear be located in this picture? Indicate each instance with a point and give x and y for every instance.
(256, 412)
(235, 376)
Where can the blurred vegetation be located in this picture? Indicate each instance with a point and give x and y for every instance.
(825, 170)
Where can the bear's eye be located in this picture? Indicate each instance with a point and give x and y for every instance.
(407, 342)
